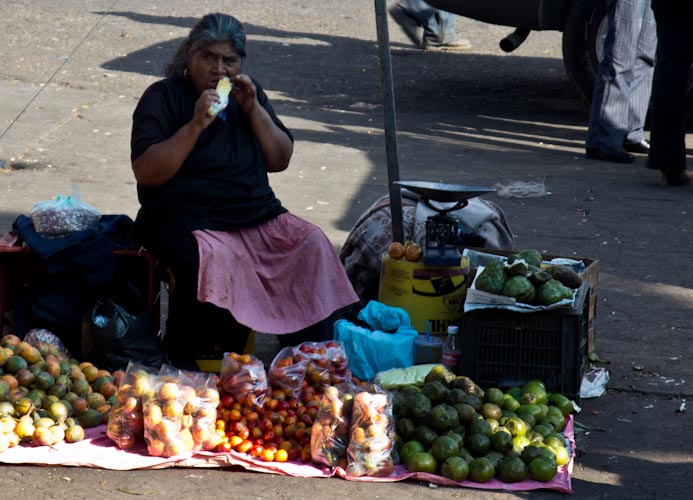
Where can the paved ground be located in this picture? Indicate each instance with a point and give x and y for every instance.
(72, 72)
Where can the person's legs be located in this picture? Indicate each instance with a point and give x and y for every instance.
(674, 58)
(193, 328)
(407, 14)
(641, 76)
(438, 26)
(611, 108)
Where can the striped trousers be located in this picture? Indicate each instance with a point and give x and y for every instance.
(623, 83)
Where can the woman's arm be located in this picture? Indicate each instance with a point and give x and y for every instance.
(276, 145)
(162, 160)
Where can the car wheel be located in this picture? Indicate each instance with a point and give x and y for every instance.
(584, 33)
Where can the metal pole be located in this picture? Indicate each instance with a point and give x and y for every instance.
(388, 97)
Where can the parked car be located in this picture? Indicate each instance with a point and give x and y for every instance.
(582, 22)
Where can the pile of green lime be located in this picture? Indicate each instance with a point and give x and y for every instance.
(453, 428)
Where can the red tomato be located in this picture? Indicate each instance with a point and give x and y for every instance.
(224, 447)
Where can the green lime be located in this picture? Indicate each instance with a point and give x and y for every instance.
(510, 403)
(520, 443)
(477, 444)
(562, 403)
(455, 468)
(554, 440)
(464, 453)
(481, 470)
(409, 448)
(502, 440)
(422, 462)
(493, 396)
(531, 452)
(543, 429)
(465, 412)
(537, 389)
(512, 470)
(542, 469)
(444, 447)
(425, 435)
(480, 426)
(516, 426)
(495, 458)
(562, 455)
(405, 427)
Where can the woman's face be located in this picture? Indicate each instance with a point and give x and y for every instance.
(211, 63)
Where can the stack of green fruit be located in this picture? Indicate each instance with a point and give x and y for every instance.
(453, 428)
(523, 277)
(47, 398)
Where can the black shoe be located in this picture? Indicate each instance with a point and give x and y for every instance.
(642, 147)
(675, 178)
(615, 154)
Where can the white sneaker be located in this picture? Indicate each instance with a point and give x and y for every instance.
(459, 45)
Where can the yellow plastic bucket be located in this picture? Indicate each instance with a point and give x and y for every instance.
(434, 294)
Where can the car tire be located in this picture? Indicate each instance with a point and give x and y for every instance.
(583, 42)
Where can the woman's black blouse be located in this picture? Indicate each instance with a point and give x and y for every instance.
(223, 184)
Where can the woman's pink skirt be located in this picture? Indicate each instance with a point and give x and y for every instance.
(279, 277)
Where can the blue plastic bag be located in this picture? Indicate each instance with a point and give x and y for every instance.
(372, 351)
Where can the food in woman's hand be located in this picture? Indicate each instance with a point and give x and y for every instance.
(223, 89)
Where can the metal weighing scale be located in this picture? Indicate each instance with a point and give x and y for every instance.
(443, 233)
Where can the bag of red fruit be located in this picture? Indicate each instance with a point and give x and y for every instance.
(126, 421)
(287, 372)
(339, 363)
(243, 376)
(317, 364)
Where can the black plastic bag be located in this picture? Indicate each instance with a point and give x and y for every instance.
(112, 337)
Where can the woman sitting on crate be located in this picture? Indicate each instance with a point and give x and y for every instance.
(240, 260)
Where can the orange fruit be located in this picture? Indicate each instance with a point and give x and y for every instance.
(169, 391)
(12, 382)
(281, 455)
(10, 340)
(155, 447)
(90, 372)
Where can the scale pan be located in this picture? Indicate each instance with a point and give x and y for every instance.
(439, 191)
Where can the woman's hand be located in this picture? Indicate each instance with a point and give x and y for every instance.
(274, 142)
(244, 92)
(201, 118)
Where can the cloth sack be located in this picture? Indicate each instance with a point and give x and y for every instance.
(483, 224)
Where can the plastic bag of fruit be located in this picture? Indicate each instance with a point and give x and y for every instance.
(330, 431)
(372, 435)
(176, 413)
(339, 363)
(126, 421)
(200, 398)
(244, 377)
(317, 363)
(287, 372)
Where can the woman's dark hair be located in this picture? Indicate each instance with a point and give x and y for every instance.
(212, 28)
